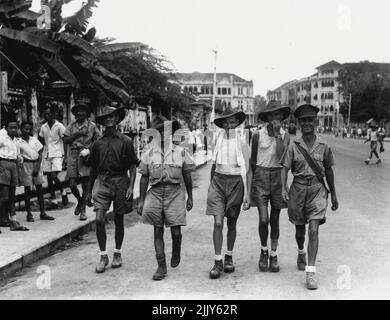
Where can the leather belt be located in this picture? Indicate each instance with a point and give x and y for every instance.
(29, 161)
(307, 181)
(8, 160)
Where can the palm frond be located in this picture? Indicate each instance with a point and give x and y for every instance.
(37, 40)
(63, 71)
(76, 41)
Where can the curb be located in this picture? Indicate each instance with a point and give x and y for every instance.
(20, 261)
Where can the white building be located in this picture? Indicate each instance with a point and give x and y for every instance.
(319, 89)
(231, 91)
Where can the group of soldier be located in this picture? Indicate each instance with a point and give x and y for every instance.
(243, 175)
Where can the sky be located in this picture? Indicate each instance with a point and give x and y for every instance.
(269, 42)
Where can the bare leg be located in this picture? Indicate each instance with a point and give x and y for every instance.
(217, 234)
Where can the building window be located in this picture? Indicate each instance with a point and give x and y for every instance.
(315, 84)
(315, 97)
(229, 91)
(219, 91)
(224, 91)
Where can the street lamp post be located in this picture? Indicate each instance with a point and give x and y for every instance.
(349, 109)
(214, 87)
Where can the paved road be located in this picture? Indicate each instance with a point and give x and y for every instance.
(352, 262)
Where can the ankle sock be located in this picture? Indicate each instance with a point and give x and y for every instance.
(117, 251)
(264, 248)
(273, 253)
(303, 251)
(229, 253)
(310, 269)
(103, 253)
(218, 257)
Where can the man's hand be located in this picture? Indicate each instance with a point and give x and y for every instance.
(129, 193)
(335, 202)
(88, 199)
(140, 207)
(246, 203)
(285, 195)
(190, 204)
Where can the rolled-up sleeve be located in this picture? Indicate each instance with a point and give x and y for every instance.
(288, 157)
(328, 158)
(143, 167)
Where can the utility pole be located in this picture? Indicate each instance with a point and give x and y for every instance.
(349, 109)
(214, 87)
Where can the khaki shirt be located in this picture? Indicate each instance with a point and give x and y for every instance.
(168, 168)
(83, 142)
(294, 160)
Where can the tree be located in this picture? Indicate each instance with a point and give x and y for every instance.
(63, 52)
(260, 103)
(369, 85)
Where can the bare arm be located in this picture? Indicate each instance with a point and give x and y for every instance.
(143, 187)
(70, 139)
(330, 180)
(212, 171)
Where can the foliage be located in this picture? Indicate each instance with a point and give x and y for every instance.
(369, 85)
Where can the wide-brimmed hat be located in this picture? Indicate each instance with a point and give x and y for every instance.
(230, 112)
(79, 106)
(159, 121)
(274, 106)
(372, 123)
(305, 111)
(108, 110)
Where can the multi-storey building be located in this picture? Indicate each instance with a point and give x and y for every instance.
(231, 90)
(319, 89)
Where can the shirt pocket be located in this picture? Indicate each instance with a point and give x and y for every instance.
(174, 172)
(155, 170)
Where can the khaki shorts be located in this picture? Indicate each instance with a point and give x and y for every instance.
(76, 167)
(8, 173)
(307, 203)
(225, 196)
(267, 187)
(165, 205)
(26, 175)
(52, 164)
(112, 189)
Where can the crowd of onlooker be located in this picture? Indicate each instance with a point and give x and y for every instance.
(355, 132)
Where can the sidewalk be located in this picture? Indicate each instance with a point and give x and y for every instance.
(20, 249)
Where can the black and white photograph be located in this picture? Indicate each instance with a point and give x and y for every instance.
(202, 151)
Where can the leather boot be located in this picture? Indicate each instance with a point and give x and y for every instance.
(263, 261)
(103, 263)
(162, 268)
(228, 265)
(273, 264)
(215, 272)
(117, 260)
(301, 261)
(311, 281)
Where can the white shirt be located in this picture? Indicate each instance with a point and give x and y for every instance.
(8, 147)
(54, 146)
(227, 161)
(372, 135)
(266, 153)
(29, 150)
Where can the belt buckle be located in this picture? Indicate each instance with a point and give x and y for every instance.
(310, 181)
